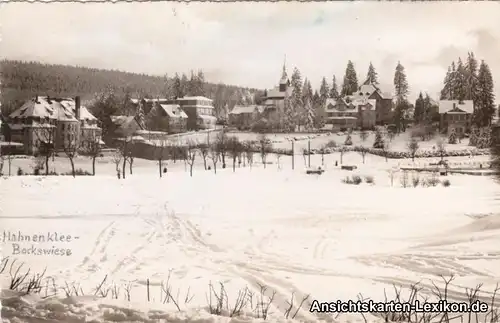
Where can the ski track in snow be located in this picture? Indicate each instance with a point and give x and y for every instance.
(258, 265)
(153, 239)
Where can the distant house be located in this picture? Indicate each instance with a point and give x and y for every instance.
(167, 117)
(125, 126)
(455, 115)
(59, 122)
(341, 114)
(344, 114)
(200, 112)
(383, 109)
(243, 117)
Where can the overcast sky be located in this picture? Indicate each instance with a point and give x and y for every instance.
(245, 43)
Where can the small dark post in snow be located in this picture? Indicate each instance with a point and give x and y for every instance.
(293, 156)
(309, 153)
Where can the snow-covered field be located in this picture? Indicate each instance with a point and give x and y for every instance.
(283, 229)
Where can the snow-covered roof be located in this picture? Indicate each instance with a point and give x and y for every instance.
(173, 110)
(84, 112)
(364, 102)
(238, 109)
(51, 108)
(126, 124)
(277, 94)
(340, 105)
(195, 98)
(446, 106)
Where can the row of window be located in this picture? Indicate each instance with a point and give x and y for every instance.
(206, 111)
(341, 114)
(195, 102)
(457, 117)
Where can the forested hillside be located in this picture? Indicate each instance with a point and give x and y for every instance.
(23, 80)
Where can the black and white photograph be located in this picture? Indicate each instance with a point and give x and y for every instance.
(246, 162)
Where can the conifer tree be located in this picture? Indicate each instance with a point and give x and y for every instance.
(177, 88)
(459, 82)
(486, 96)
(324, 90)
(296, 103)
(419, 113)
(334, 92)
(371, 76)
(452, 139)
(319, 111)
(350, 84)
(379, 140)
(401, 91)
(471, 77)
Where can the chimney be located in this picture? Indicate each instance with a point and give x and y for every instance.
(77, 108)
(454, 105)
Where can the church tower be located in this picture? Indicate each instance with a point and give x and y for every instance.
(284, 82)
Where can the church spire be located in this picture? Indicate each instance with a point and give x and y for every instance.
(284, 76)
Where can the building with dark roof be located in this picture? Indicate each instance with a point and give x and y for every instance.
(58, 122)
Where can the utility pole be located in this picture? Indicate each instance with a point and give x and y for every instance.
(309, 153)
(293, 156)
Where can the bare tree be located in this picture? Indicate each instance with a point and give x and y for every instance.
(190, 154)
(234, 149)
(363, 135)
(322, 151)
(124, 151)
(70, 146)
(46, 137)
(385, 150)
(441, 148)
(413, 147)
(117, 158)
(93, 148)
(249, 147)
(221, 142)
(265, 147)
(160, 153)
(363, 151)
(204, 148)
(304, 156)
(2, 161)
(214, 155)
(130, 163)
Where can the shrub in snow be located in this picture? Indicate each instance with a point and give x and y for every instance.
(413, 147)
(379, 140)
(484, 139)
(415, 179)
(369, 179)
(20, 171)
(446, 183)
(348, 140)
(331, 144)
(474, 134)
(433, 180)
(452, 139)
(354, 180)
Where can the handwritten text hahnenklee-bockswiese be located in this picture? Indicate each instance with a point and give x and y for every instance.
(33, 244)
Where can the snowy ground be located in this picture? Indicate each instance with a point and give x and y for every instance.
(282, 140)
(399, 143)
(281, 228)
